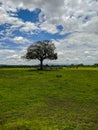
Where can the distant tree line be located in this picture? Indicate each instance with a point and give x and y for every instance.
(30, 66)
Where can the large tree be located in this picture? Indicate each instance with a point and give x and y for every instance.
(41, 50)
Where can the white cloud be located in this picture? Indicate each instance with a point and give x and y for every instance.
(91, 26)
(6, 51)
(48, 27)
(20, 40)
(78, 48)
(13, 57)
(28, 27)
(79, 16)
(5, 17)
(74, 15)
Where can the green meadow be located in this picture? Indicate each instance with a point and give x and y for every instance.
(56, 99)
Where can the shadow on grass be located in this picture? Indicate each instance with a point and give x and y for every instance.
(44, 69)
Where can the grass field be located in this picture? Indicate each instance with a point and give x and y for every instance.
(63, 99)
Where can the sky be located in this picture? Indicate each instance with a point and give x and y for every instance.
(72, 25)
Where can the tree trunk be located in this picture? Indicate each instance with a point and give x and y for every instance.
(41, 64)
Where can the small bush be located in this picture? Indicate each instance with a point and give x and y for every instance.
(58, 76)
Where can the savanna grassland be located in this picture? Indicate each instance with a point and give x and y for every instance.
(62, 99)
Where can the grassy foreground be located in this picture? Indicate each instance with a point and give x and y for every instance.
(64, 99)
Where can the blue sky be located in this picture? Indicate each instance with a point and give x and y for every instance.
(71, 25)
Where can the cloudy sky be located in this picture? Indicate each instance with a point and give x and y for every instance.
(71, 24)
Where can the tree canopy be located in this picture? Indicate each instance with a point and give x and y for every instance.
(41, 50)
